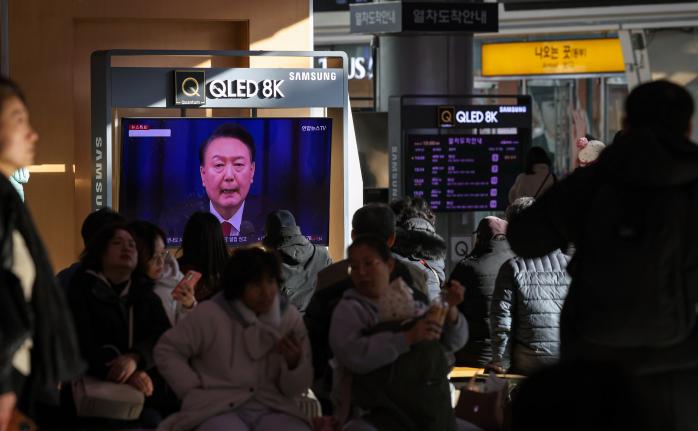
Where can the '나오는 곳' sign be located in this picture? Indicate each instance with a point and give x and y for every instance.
(552, 57)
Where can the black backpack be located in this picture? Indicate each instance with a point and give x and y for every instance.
(636, 269)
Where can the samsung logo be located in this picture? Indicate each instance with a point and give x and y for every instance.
(513, 109)
(312, 76)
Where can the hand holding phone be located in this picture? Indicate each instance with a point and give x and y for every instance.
(184, 291)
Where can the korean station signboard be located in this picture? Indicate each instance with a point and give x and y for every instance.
(396, 17)
(552, 57)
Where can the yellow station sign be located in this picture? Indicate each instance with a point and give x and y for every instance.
(552, 57)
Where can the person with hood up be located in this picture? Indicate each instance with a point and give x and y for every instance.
(477, 272)
(301, 260)
(417, 242)
(633, 217)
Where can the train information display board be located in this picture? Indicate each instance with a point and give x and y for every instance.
(462, 172)
(459, 153)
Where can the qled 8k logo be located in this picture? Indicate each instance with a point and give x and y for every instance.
(476, 117)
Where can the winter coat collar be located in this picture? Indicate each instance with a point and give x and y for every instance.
(364, 300)
(417, 239)
(171, 269)
(107, 284)
(260, 333)
(494, 246)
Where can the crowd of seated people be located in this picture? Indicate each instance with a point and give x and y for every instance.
(217, 339)
(231, 351)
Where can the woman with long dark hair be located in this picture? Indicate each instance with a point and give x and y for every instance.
(38, 348)
(157, 265)
(203, 250)
(537, 177)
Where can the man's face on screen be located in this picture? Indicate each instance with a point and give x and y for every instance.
(227, 174)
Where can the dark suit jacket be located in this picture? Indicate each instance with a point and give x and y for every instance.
(253, 217)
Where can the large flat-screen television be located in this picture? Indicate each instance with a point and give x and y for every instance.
(238, 169)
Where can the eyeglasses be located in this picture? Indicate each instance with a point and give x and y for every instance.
(159, 257)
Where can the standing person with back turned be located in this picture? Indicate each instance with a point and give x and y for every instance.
(301, 260)
(38, 348)
(477, 272)
(633, 217)
(537, 177)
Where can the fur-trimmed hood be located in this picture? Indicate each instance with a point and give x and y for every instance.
(417, 238)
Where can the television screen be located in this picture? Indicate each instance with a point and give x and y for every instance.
(462, 172)
(238, 169)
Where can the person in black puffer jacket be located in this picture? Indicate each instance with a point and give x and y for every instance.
(417, 242)
(301, 260)
(477, 273)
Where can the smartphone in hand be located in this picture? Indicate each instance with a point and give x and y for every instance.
(188, 282)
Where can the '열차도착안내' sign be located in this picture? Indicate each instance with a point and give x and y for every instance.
(552, 57)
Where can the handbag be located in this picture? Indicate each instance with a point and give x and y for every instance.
(482, 408)
(101, 399)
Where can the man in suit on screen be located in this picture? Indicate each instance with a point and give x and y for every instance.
(227, 170)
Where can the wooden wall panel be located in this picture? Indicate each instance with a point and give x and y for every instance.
(50, 43)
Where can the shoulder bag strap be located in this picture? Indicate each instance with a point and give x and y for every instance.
(545, 180)
(433, 271)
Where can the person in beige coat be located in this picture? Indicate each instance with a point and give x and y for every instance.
(239, 360)
(537, 177)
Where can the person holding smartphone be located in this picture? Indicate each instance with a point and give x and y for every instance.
(176, 291)
(239, 359)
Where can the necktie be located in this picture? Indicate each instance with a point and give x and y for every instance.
(226, 228)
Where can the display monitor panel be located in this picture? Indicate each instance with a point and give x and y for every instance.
(163, 178)
(463, 172)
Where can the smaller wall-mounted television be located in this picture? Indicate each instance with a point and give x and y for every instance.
(163, 179)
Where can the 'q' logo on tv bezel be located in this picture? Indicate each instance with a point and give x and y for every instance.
(190, 87)
(446, 116)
